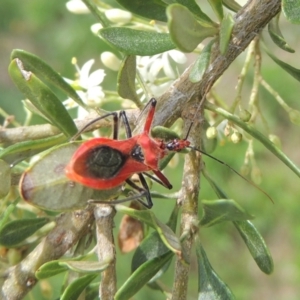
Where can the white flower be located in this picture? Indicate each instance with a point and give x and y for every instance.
(87, 86)
(77, 7)
(162, 65)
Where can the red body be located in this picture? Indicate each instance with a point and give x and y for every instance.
(152, 150)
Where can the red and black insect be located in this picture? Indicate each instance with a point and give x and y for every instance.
(103, 163)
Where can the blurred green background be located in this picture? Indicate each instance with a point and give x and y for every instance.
(48, 30)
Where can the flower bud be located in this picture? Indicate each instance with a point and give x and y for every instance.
(294, 116)
(110, 60)
(275, 140)
(14, 256)
(245, 170)
(236, 137)
(256, 175)
(95, 28)
(77, 7)
(211, 132)
(116, 15)
(244, 115)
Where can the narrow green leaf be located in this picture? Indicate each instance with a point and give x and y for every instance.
(73, 291)
(126, 80)
(217, 7)
(288, 68)
(42, 97)
(232, 5)
(225, 32)
(216, 211)
(44, 183)
(20, 151)
(50, 269)
(36, 65)
(219, 192)
(276, 35)
(85, 266)
(201, 63)
(291, 10)
(185, 31)
(146, 216)
(195, 9)
(152, 246)
(256, 245)
(137, 42)
(14, 232)
(141, 276)
(5, 178)
(256, 134)
(6, 213)
(210, 286)
(154, 10)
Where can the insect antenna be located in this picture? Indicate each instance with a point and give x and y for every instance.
(212, 157)
(232, 169)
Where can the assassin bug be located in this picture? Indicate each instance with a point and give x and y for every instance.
(103, 163)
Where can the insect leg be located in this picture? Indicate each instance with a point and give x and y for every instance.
(114, 114)
(144, 191)
(163, 180)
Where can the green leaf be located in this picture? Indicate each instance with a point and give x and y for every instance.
(42, 97)
(288, 68)
(14, 232)
(44, 183)
(276, 35)
(146, 216)
(36, 65)
(22, 150)
(217, 7)
(141, 276)
(195, 9)
(186, 32)
(126, 79)
(152, 246)
(221, 210)
(225, 32)
(6, 213)
(210, 286)
(256, 245)
(154, 10)
(232, 5)
(291, 10)
(201, 63)
(85, 266)
(73, 291)
(5, 178)
(256, 134)
(50, 269)
(137, 42)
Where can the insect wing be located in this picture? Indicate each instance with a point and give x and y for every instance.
(44, 183)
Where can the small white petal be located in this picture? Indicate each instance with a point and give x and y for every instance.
(178, 56)
(95, 28)
(77, 7)
(94, 96)
(168, 70)
(81, 113)
(84, 73)
(154, 69)
(96, 78)
(158, 90)
(110, 60)
(116, 15)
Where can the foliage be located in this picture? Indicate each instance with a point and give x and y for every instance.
(46, 227)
